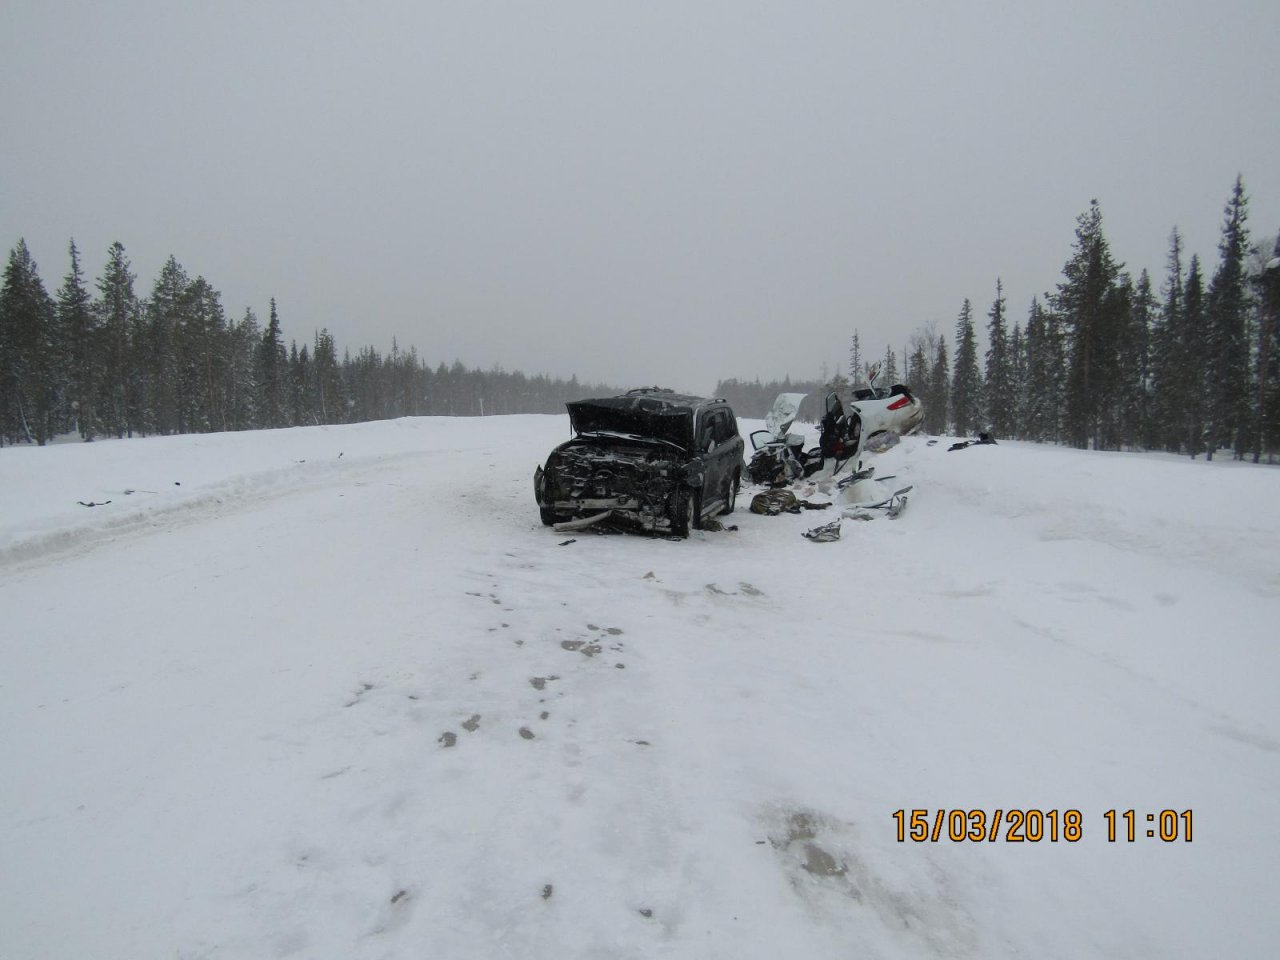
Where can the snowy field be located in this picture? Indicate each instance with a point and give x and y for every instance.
(334, 692)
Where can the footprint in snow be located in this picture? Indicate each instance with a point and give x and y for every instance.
(364, 688)
(581, 646)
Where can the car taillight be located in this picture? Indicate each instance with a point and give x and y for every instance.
(900, 403)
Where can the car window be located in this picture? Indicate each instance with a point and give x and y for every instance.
(708, 434)
(723, 426)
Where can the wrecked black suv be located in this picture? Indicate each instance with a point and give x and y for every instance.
(650, 460)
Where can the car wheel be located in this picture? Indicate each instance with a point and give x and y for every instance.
(549, 517)
(731, 496)
(688, 513)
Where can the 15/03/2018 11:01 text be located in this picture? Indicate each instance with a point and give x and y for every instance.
(1033, 825)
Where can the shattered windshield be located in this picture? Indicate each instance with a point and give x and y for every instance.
(642, 417)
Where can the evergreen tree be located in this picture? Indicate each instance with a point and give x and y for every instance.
(1086, 305)
(920, 353)
(444, 391)
(164, 403)
(938, 399)
(1226, 334)
(242, 387)
(29, 360)
(329, 393)
(486, 389)
(1134, 403)
(78, 322)
(1037, 415)
(1056, 342)
(1114, 392)
(203, 346)
(1195, 416)
(999, 397)
(1170, 374)
(1017, 380)
(1268, 363)
(1046, 375)
(301, 383)
(118, 311)
(857, 372)
(889, 368)
(272, 372)
(966, 382)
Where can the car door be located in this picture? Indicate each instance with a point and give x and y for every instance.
(723, 449)
(731, 449)
(704, 448)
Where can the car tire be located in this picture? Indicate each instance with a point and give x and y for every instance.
(688, 515)
(731, 495)
(549, 517)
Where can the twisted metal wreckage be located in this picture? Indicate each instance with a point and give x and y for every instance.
(780, 460)
(663, 463)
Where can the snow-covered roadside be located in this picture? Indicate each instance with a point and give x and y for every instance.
(152, 481)
(368, 707)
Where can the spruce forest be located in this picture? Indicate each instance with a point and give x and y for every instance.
(1188, 363)
(120, 365)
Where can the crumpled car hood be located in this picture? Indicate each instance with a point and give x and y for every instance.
(633, 417)
(783, 413)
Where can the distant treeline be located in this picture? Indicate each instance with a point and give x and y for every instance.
(754, 398)
(116, 364)
(1105, 361)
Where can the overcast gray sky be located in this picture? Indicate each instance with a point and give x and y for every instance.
(633, 192)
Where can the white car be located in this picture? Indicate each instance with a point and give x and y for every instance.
(897, 410)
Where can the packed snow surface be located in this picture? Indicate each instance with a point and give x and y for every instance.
(335, 692)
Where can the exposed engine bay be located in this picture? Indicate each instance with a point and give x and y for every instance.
(637, 482)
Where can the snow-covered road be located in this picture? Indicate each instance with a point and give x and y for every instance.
(280, 702)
